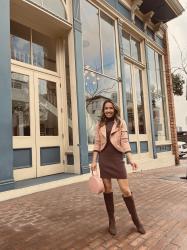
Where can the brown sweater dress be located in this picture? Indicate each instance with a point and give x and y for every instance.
(111, 162)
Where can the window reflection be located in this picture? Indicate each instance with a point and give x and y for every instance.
(156, 81)
(129, 97)
(140, 101)
(20, 42)
(48, 108)
(44, 51)
(20, 105)
(108, 45)
(43, 47)
(68, 89)
(98, 89)
(91, 38)
(131, 46)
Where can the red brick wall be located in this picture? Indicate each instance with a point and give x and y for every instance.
(172, 119)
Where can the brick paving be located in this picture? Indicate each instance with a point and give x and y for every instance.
(69, 217)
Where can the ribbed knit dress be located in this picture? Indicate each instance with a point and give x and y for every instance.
(111, 162)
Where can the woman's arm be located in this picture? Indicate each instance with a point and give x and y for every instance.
(131, 161)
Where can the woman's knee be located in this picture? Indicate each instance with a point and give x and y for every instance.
(108, 186)
(126, 192)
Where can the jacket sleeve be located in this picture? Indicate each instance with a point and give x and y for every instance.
(124, 138)
(97, 142)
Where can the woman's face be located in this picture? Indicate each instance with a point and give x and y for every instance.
(109, 110)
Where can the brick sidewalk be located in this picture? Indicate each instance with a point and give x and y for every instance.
(70, 217)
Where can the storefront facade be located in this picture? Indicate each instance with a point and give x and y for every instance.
(60, 62)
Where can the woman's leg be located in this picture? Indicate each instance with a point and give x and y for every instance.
(129, 201)
(108, 198)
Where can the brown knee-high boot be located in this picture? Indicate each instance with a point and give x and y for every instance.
(129, 201)
(108, 197)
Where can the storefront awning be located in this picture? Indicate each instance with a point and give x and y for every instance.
(164, 10)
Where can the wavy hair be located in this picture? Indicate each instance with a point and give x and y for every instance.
(102, 121)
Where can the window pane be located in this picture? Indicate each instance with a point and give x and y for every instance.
(48, 108)
(91, 38)
(135, 49)
(159, 121)
(152, 70)
(108, 45)
(44, 51)
(129, 97)
(126, 43)
(69, 104)
(56, 7)
(140, 101)
(20, 42)
(20, 105)
(98, 89)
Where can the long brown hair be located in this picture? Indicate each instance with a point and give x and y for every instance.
(116, 113)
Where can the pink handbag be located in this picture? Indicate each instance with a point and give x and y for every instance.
(95, 183)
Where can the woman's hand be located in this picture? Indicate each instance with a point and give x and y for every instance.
(93, 166)
(134, 166)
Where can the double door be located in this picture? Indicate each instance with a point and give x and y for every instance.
(36, 123)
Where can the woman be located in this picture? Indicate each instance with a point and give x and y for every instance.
(111, 141)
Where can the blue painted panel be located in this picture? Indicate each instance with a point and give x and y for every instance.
(6, 152)
(150, 33)
(134, 149)
(144, 147)
(112, 2)
(70, 158)
(124, 11)
(139, 23)
(150, 107)
(163, 148)
(159, 41)
(49, 155)
(83, 145)
(22, 158)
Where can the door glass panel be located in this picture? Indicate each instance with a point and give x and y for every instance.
(129, 96)
(140, 101)
(48, 108)
(20, 105)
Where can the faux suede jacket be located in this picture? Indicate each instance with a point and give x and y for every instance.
(118, 137)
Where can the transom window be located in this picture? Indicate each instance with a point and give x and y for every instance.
(55, 6)
(32, 47)
(131, 46)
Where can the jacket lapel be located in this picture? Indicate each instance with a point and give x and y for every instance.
(114, 128)
(103, 130)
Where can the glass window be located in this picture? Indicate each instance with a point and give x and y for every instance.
(129, 97)
(140, 101)
(48, 108)
(20, 105)
(156, 81)
(91, 38)
(126, 43)
(68, 89)
(55, 7)
(108, 45)
(44, 51)
(135, 49)
(20, 42)
(131, 46)
(98, 89)
(43, 47)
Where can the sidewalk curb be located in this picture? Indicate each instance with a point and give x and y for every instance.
(11, 194)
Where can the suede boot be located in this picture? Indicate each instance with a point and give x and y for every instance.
(108, 197)
(129, 201)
